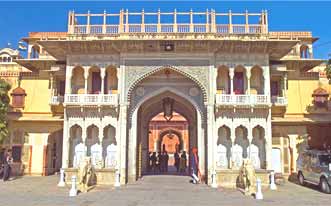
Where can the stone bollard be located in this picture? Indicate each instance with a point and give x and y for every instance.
(62, 181)
(213, 180)
(117, 178)
(73, 190)
(272, 181)
(258, 194)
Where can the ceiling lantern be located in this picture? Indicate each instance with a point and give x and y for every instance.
(168, 106)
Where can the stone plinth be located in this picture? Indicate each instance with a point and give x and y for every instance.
(228, 178)
(103, 176)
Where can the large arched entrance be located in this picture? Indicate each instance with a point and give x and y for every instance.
(187, 101)
(150, 109)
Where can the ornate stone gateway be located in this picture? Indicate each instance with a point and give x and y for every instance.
(147, 100)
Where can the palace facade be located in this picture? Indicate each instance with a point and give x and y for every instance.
(118, 86)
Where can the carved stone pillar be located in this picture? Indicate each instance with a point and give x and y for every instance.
(248, 77)
(122, 127)
(285, 85)
(268, 141)
(66, 142)
(266, 78)
(233, 137)
(68, 79)
(51, 76)
(211, 162)
(84, 134)
(310, 51)
(250, 139)
(294, 155)
(231, 74)
(102, 75)
(86, 74)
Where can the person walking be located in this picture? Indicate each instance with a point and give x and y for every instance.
(6, 165)
(195, 166)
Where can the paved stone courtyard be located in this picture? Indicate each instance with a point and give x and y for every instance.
(152, 190)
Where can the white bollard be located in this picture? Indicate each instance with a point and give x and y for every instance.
(258, 194)
(117, 178)
(213, 180)
(272, 181)
(62, 181)
(73, 190)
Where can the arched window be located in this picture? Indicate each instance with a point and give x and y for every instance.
(304, 52)
(111, 81)
(239, 80)
(77, 81)
(18, 97)
(35, 51)
(223, 80)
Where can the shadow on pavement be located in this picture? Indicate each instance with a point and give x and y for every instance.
(293, 178)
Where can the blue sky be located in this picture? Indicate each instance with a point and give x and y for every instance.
(19, 18)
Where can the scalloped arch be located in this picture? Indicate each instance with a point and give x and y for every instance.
(140, 79)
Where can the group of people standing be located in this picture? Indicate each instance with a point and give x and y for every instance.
(158, 162)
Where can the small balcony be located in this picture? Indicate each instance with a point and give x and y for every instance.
(91, 99)
(56, 100)
(244, 100)
(278, 101)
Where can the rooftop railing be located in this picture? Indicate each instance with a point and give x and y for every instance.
(167, 22)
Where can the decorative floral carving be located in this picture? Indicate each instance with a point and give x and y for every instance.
(193, 91)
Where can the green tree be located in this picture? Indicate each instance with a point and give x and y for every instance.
(328, 69)
(4, 104)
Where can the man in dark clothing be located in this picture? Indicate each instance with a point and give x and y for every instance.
(6, 166)
(166, 159)
(177, 159)
(160, 161)
(182, 162)
(154, 159)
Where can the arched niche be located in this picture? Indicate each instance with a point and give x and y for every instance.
(224, 145)
(259, 142)
(92, 137)
(109, 137)
(75, 138)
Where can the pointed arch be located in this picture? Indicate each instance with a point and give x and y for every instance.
(92, 137)
(241, 139)
(224, 145)
(258, 141)
(223, 80)
(77, 80)
(109, 137)
(144, 76)
(257, 80)
(75, 138)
